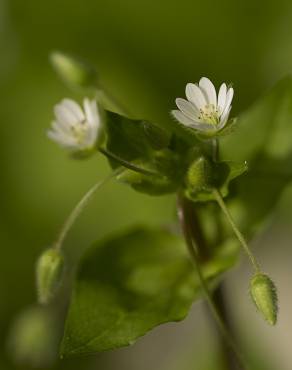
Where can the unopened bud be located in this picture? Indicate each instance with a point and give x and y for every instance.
(73, 71)
(49, 272)
(264, 295)
(200, 175)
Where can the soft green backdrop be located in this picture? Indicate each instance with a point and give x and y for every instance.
(145, 52)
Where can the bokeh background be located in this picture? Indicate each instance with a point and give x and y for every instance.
(145, 52)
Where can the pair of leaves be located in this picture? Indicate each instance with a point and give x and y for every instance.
(156, 150)
(131, 283)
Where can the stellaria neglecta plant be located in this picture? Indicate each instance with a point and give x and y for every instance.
(183, 159)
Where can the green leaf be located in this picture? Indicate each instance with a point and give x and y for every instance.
(264, 139)
(146, 146)
(131, 139)
(131, 283)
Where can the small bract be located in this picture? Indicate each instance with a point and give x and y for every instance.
(204, 110)
(74, 128)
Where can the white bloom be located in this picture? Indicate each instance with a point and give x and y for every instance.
(75, 128)
(204, 110)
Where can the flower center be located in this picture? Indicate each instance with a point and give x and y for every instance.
(79, 132)
(210, 114)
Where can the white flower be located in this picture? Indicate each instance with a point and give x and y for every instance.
(75, 128)
(203, 110)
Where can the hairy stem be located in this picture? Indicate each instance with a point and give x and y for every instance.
(188, 232)
(236, 231)
(80, 207)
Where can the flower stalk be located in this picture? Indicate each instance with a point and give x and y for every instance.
(236, 231)
(77, 210)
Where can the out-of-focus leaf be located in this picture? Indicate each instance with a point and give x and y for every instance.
(264, 139)
(131, 283)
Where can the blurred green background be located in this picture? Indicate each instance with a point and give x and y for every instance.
(145, 51)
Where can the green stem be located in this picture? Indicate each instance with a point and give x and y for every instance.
(80, 207)
(129, 165)
(215, 149)
(229, 358)
(186, 228)
(236, 231)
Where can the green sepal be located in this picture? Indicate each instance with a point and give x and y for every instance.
(232, 171)
(194, 137)
(229, 128)
(200, 175)
(83, 154)
(49, 272)
(214, 175)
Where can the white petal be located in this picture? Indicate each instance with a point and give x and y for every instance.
(74, 108)
(229, 98)
(91, 136)
(187, 108)
(91, 114)
(222, 97)
(61, 139)
(195, 95)
(178, 115)
(209, 89)
(224, 117)
(60, 126)
(65, 115)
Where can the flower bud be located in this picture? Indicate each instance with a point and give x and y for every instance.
(73, 71)
(200, 175)
(264, 295)
(49, 272)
